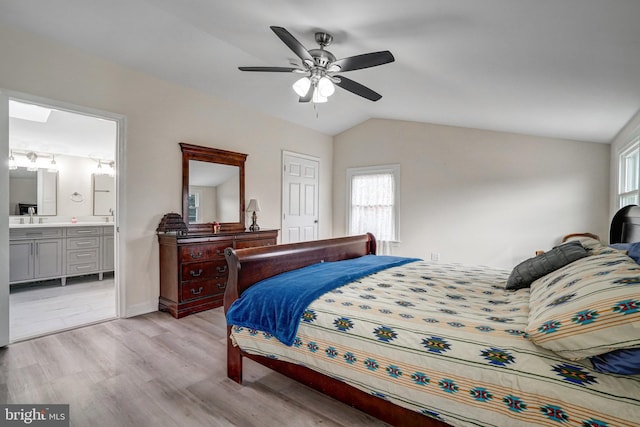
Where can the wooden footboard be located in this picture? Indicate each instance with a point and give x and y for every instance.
(249, 266)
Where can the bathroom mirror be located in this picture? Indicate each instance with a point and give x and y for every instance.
(212, 188)
(37, 189)
(104, 195)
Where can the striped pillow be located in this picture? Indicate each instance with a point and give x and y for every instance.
(587, 308)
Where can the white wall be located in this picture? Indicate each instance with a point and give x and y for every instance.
(480, 197)
(158, 116)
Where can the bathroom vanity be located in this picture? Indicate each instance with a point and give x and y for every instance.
(57, 251)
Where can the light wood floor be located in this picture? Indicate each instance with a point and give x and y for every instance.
(45, 307)
(154, 370)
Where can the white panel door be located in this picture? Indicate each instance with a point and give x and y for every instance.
(300, 197)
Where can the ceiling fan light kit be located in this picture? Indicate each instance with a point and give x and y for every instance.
(322, 67)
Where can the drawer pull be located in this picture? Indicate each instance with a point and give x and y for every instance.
(85, 231)
(83, 255)
(222, 269)
(195, 256)
(198, 292)
(219, 252)
(222, 285)
(84, 243)
(195, 274)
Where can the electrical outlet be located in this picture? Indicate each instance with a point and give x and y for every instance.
(435, 256)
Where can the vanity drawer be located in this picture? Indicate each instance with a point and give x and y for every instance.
(35, 233)
(84, 268)
(204, 270)
(204, 252)
(83, 231)
(82, 256)
(201, 289)
(83, 242)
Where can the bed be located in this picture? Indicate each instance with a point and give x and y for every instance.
(432, 344)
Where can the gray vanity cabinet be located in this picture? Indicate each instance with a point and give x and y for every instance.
(36, 254)
(21, 255)
(108, 249)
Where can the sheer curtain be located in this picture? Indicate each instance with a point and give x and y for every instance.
(372, 208)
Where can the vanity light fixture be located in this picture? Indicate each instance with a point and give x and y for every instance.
(254, 207)
(12, 162)
(53, 166)
(105, 167)
(33, 161)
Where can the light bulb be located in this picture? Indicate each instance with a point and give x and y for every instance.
(301, 87)
(53, 166)
(325, 87)
(12, 162)
(317, 97)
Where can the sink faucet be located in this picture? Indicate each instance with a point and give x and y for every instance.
(31, 211)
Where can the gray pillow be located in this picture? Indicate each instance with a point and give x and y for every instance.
(534, 268)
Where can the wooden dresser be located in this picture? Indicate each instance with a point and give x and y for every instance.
(193, 270)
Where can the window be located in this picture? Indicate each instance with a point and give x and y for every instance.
(372, 201)
(629, 170)
(195, 213)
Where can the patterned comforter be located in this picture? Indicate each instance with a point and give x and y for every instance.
(448, 341)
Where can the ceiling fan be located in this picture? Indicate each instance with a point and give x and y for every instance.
(322, 67)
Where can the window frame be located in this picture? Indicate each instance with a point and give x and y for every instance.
(197, 195)
(394, 169)
(623, 155)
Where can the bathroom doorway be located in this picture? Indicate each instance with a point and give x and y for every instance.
(63, 177)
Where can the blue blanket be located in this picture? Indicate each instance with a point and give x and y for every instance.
(275, 305)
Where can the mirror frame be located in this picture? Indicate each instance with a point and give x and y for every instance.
(211, 155)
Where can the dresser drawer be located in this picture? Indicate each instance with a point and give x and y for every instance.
(199, 289)
(83, 231)
(82, 256)
(204, 270)
(242, 244)
(83, 242)
(204, 252)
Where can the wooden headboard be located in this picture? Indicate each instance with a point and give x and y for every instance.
(249, 266)
(625, 225)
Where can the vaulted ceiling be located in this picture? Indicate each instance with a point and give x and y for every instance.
(562, 68)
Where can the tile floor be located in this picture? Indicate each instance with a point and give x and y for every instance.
(46, 307)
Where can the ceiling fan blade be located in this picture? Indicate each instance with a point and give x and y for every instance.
(293, 43)
(366, 60)
(308, 96)
(272, 69)
(358, 89)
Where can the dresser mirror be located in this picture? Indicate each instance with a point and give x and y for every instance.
(212, 189)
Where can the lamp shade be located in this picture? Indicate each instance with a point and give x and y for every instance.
(301, 86)
(325, 87)
(253, 206)
(317, 97)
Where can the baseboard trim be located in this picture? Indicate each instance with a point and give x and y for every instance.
(142, 308)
